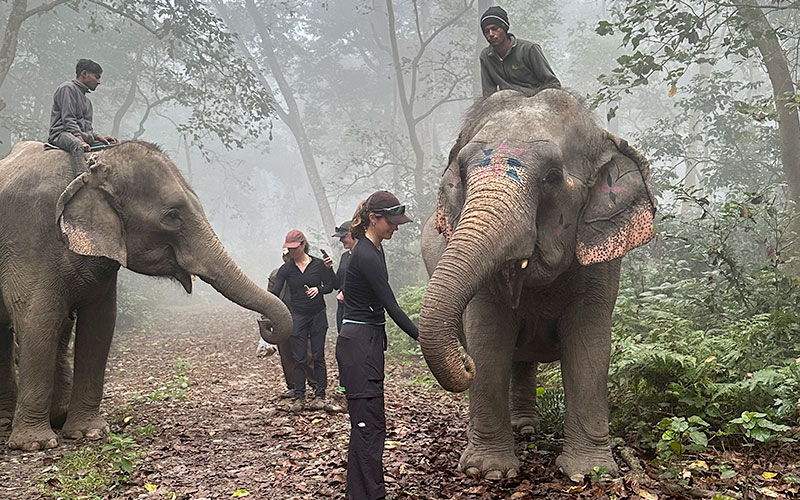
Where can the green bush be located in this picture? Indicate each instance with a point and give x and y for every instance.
(410, 301)
(707, 321)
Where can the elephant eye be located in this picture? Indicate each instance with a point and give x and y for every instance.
(171, 219)
(553, 177)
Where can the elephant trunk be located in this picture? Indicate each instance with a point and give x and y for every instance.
(478, 249)
(212, 263)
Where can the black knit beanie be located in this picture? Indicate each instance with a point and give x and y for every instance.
(495, 15)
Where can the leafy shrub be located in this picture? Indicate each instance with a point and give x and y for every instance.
(410, 301)
(706, 321)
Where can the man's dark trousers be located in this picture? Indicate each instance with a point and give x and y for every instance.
(359, 353)
(313, 327)
(74, 147)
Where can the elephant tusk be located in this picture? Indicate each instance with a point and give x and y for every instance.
(524, 263)
(194, 277)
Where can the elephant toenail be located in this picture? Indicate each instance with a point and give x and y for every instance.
(52, 443)
(494, 475)
(473, 472)
(94, 434)
(511, 473)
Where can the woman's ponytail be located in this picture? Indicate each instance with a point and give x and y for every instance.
(360, 222)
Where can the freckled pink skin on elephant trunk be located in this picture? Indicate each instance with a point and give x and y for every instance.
(60, 251)
(530, 181)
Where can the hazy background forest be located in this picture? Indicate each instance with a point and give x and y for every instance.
(287, 113)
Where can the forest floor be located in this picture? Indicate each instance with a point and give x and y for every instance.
(199, 416)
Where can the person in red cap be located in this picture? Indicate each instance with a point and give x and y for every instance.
(285, 348)
(362, 341)
(309, 278)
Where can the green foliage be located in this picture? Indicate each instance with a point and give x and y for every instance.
(707, 323)
(90, 472)
(755, 426)
(410, 301)
(120, 452)
(175, 388)
(551, 409)
(680, 435)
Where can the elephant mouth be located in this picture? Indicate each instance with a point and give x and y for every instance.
(509, 281)
(185, 279)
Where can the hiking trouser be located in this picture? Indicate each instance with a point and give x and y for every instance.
(359, 353)
(309, 327)
(287, 364)
(74, 147)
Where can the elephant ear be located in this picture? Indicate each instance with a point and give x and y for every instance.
(619, 213)
(87, 220)
(452, 194)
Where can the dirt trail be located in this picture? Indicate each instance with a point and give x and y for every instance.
(231, 431)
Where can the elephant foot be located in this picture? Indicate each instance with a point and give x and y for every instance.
(490, 464)
(5, 424)
(525, 425)
(32, 439)
(577, 466)
(93, 428)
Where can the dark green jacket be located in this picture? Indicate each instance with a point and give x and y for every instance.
(524, 68)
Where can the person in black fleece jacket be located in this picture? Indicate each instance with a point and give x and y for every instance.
(309, 278)
(362, 341)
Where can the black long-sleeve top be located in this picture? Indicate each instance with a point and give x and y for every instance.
(368, 293)
(315, 275)
(341, 273)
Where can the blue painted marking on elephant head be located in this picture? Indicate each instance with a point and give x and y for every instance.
(513, 175)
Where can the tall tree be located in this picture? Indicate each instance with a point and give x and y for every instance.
(667, 37)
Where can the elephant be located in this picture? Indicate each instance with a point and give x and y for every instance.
(535, 210)
(62, 242)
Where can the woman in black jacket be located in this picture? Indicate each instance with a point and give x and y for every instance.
(309, 278)
(362, 341)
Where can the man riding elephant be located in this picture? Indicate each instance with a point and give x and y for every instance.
(71, 117)
(60, 252)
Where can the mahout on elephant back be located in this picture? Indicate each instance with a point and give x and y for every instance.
(60, 251)
(536, 208)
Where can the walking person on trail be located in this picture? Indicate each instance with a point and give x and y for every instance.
(309, 278)
(343, 233)
(510, 62)
(362, 341)
(71, 117)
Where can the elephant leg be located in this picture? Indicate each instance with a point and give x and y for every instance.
(8, 377)
(585, 342)
(490, 452)
(93, 333)
(524, 412)
(62, 385)
(37, 331)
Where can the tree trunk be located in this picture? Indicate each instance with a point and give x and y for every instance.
(292, 118)
(126, 104)
(783, 90)
(8, 50)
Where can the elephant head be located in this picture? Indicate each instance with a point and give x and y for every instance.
(534, 189)
(134, 207)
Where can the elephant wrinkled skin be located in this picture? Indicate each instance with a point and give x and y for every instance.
(60, 250)
(536, 208)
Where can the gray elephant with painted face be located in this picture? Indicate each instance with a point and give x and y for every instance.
(536, 208)
(60, 250)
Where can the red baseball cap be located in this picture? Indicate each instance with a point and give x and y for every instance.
(294, 239)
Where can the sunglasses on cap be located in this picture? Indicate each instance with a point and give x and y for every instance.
(395, 210)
